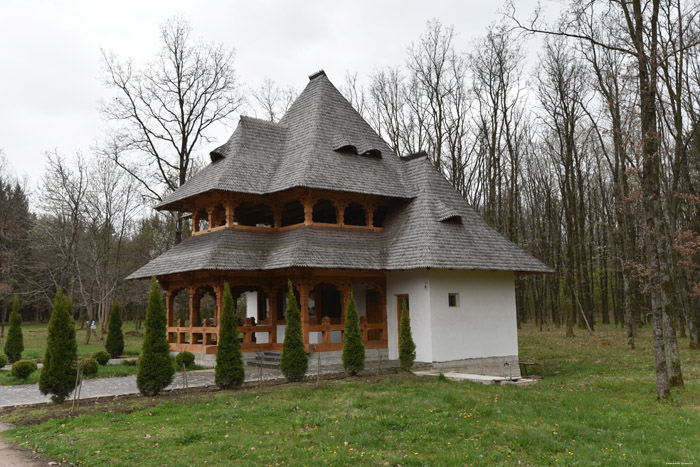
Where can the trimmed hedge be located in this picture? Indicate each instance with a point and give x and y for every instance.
(407, 348)
(230, 371)
(23, 369)
(115, 337)
(58, 373)
(184, 357)
(353, 347)
(89, 366)
(14, 345)
(101, 356)
(294, 362)
(156, 368)
(3, 359)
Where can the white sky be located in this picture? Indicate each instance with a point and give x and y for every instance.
(50, 53)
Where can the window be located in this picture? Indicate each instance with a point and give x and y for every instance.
(453, 299)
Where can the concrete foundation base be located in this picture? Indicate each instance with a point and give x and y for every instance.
(327, 358)
(505, 367)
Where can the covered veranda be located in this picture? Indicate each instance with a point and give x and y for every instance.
(322, 295)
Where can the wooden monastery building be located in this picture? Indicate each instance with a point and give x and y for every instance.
(320, 199)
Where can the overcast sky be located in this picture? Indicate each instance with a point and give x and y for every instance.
(50, 53)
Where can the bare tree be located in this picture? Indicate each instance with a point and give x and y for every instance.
(272, 101)
(163, 111)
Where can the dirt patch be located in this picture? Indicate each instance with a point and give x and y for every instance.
(12, 455)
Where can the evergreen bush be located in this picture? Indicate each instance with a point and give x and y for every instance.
(184, 357)
(230, 372)
(58, 373)
(353, 347)
(294, 362)
(14, 345)
(407, 348)
(23, 369)
(101, 356)
(115, 336)
(156, 369)
(3, 360)
(89, 366)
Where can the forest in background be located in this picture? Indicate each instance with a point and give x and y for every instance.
(587, 155)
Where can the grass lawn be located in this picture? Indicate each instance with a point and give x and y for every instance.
(596, 405)
(35, 341)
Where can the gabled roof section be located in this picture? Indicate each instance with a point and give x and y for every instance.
(321, 142)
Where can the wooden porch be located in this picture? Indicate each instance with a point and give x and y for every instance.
(322, 296)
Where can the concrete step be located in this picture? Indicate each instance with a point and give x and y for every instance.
(270, 359)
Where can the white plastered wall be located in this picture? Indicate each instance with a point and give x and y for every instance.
(483, 324)
(415, 283)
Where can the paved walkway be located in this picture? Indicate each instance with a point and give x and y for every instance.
(28, 394)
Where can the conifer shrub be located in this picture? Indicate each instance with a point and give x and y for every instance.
(156, 368)
(184, 357)
(101, 356)
(88, 366)
(3, 360)
(115, 336)
(407, 348)
(229, 372)
(131, 362)
(14, 345)
(23, 369)
(58, 373)
(353, 347)
(294, 362)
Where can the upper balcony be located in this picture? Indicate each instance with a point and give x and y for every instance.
(287, 210)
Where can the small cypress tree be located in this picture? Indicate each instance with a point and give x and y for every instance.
(115, 337)
(294, 362)
(156, 368)
(230, 372)
(407, 348)
(59, 371)
(14, 345)
(353, 347)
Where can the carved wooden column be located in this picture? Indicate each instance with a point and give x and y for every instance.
(369, 209)
(219, 291)
(195, 220)
(382, 308)
(304, 289)
(277, 216)
(340, 211)
(272, 299)
(230, 207)
(170, 307)
(345, 288)
(194, 306)
(308, 204)
(211, 213)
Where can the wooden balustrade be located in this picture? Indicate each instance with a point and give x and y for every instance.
(204, 338)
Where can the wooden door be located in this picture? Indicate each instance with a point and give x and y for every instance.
(399, 301)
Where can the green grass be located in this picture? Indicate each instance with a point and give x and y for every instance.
(597, 405)
(35, 341)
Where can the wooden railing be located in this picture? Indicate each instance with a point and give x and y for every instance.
(204, 338)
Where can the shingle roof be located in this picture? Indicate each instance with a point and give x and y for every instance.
(301, 151)
(413, 238)
(433, 226)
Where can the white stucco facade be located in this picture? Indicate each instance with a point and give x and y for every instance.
(481, 325)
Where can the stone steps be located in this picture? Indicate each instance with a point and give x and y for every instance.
(270, 359)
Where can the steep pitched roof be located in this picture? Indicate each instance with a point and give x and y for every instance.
(433, 226)
(321, 142)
